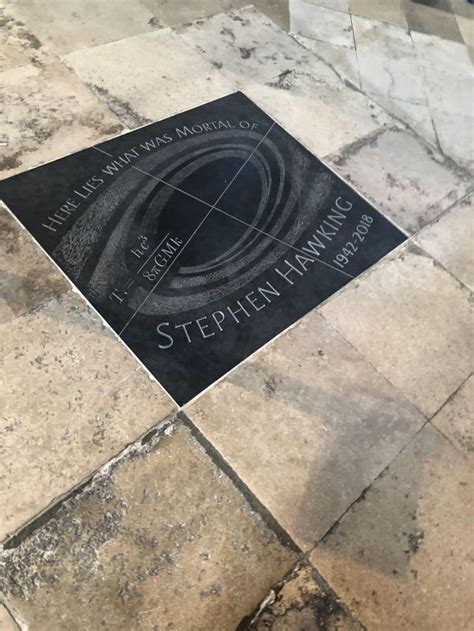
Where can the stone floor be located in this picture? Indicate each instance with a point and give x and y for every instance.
(326, 482)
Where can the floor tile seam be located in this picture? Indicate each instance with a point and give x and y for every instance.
(136, 445)
(452, 444)
(451, 396)
(20, 624)
(356, 53)
(201, 223)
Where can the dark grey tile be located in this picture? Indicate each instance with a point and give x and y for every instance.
(433, 22)
(462, 8)
(442, 5)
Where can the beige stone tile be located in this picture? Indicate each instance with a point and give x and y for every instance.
(72, 396)
(455, 418)
(19, 45)
(450, 240)
(47, 113)
(307, 424)
(76, 24)
(148, 77)
(316, 22)
(391, 11)
(27, 277)
(342, 59)
(466, 27)
(318, 115)
(6, 621)
(413, 322)
(247, 46)
(302, 603)
(432, 20)
(383, 40)
(401, 558)
(163, 539)
(410, 182)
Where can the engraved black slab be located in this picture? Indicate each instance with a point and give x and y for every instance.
(200, 237)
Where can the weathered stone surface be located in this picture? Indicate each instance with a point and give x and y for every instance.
(27, 277)
(317, 114)
(450, 240)
(455, 418)
(72, 396)
(310, 20)
(413, 322)
(401, 558)
(163, 539)
(19, 45)
(403, 177)
(6, 621)
(302, 603)
(248, 46)
(148, 77)
(75, 24)
(47, 113)
(307, 424)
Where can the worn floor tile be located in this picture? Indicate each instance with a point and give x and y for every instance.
(342, 59)
(76, 24)
(383, 40)
(433, 51)
(6, 621)
(416, 115)
(449, 93)
(319, 115)
(336, 5)
(432, 21)
(462, 8)
(316, 22)
(456, 136)
(413, 322)
(27, 277)
(405, 178)
(162, 539)
(177, 13)
(307, 424)
(402, 557)
(391, 11)
(302, 603)
(247, 46)
(47, 113)
(450, 240)
(19, 45)
(455, 418)
(72, 396)
(390, 78)
(148, 77)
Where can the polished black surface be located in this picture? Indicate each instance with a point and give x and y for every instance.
(201, 237)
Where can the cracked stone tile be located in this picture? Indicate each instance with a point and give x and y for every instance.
(391, 78)
(455, 418)
(47, 113)
(450, 240)
(27, 277)
(307, 424)
(448, 92)
(247, 46)
(162, 539)
(406, 179)
(72, 396)
(148, 77)
(176, 13)
(401, 558)
(6, 621)
(413, 322)
(342, 59)
(390, 11)
(416, 115)
(316, 22)
(432, 51)
(302, 603)
(319, 115)
(77, 24)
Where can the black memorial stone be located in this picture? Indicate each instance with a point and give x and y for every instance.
(200, 237)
